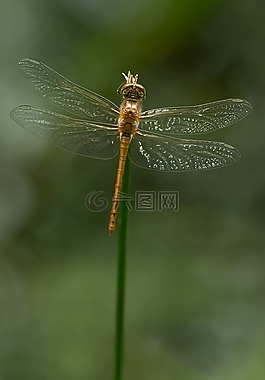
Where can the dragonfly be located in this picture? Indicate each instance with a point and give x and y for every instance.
(98, 128)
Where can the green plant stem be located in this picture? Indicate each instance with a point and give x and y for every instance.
(121, 277)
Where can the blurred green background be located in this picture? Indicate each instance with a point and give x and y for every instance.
(195, 305)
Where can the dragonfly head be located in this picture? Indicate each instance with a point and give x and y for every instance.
(131, 89)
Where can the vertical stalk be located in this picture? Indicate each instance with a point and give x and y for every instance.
(121, 277)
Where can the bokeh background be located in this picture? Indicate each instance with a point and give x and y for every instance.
(195, 305)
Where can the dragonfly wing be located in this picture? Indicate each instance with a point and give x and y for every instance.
(171, 154)
(77, 136)
(67, 95)
(201, 118)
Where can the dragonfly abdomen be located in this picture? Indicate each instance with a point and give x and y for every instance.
(124, 147)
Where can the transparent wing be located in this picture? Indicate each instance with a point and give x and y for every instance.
(67, 95)
(171, 154)
(77, 136)
(202, 118)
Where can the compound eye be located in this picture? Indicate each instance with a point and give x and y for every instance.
(125, 93)
(142, 94)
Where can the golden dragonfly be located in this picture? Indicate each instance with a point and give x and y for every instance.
(101, 129)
